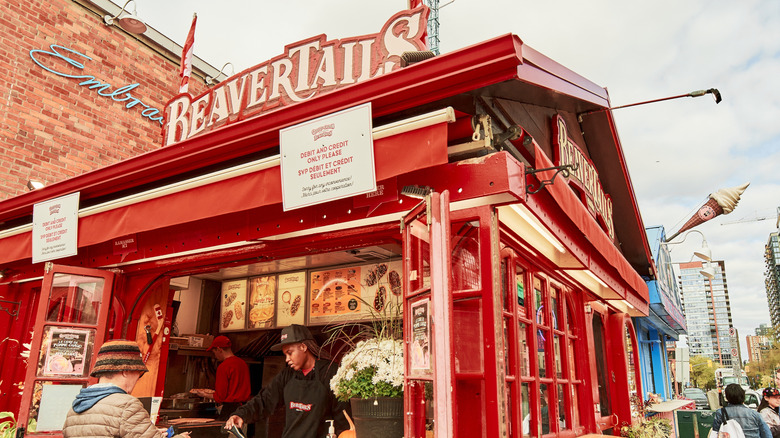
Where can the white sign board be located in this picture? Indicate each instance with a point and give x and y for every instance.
(55, 228)
(328, 158)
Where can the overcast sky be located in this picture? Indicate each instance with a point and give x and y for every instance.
(678, 152)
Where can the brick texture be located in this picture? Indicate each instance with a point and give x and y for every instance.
(51, 127)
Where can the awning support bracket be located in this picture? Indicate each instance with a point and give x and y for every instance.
(13, 310)
(564, 170)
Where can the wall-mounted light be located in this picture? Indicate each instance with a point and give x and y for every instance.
(708, 271)
(213, 81)
(129, 22)
(698, 93)
(34, 184)
(703, 253)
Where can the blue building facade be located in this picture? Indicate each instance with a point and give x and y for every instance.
(665, 322)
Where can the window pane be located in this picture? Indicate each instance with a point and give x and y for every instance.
(540, 302)
(504, 293)
(554, 293)
(545, 423)
(526, 411)
(75, 298)
(575, 412)
(572, 362)
(541, 340)
(558, 365)
(520, 285)
(465, 256)
(525, 357)
(562, 409)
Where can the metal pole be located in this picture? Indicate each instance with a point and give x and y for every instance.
(715, 317)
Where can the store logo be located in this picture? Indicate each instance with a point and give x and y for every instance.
(121, 94)
(583, 174)
(300, 406)
(307, 69)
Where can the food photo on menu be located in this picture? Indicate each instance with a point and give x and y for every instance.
(233, 305)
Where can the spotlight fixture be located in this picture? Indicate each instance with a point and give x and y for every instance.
(409, 58)
(34, 184)
(213, 81)
(419, 192)
(129, 22)
(708, 271)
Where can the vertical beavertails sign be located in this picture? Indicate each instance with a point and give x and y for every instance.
(306, 69)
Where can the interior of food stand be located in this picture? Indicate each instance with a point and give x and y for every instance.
(232, 301)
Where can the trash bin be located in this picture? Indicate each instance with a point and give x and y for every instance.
(693, 424)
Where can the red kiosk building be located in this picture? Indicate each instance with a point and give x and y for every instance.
(500, 193)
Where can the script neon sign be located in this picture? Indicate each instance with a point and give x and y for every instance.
(121, 94)
(306, 69)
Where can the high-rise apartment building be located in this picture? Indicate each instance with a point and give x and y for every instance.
(772, 278)
(708, 312)
(756, 345)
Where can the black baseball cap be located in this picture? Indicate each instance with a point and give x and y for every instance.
(292, 335)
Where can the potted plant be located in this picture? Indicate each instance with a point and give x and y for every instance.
(371, 374)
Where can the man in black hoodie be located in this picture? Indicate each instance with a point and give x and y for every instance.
(304, 388)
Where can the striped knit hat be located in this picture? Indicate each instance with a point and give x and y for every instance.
(118, 355)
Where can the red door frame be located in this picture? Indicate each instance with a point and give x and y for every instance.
(41, 323)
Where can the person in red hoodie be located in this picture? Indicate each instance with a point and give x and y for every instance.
(233, 386)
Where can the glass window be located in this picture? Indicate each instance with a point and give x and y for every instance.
(75, 298)
(465, 256)
(526, 411)
(558, 361)
(520, 285)
(562, 408)
(542, 337)
(545, 404)
(524, 353)
(554, 306)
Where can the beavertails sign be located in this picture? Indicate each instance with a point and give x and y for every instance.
(306, 69)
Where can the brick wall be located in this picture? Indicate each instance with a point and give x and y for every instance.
(52, 128)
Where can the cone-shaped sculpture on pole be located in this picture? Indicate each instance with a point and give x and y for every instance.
(721, 202)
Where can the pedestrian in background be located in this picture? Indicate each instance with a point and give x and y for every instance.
(753, 426)
(768, 410)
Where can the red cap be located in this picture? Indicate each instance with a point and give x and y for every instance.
(220, 342)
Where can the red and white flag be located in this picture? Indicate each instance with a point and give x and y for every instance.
(186, 58)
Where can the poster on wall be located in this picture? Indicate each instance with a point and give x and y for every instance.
(66, 354)
(262, 302)
(233, 305)
(355, 293)
(419, 350)
(290, 307)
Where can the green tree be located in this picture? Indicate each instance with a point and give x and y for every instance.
(702, 372)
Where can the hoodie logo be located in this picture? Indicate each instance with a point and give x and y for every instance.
(300, 407)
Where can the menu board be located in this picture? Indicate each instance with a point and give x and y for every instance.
(233, 305)
(355, 293)
(262, 301)
(66, 353)
(290, 307)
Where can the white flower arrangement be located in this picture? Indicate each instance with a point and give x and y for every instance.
(374, 368)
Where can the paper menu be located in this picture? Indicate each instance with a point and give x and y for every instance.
(233, 305)
(291, 303)
(262, 301)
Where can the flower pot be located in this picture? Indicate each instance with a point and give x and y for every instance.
(381, 417)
